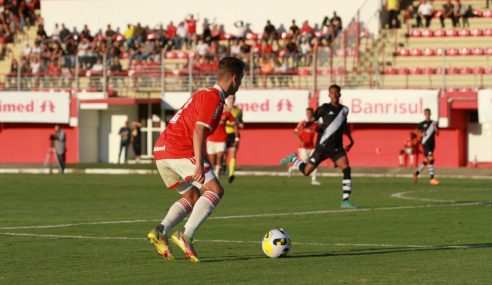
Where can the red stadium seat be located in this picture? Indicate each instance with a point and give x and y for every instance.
(464, 33)
(390, 71)
(171, 55)
(183, 55)
(285, 35)
(478, 51)
(429, 70)
(487, 32)
(451, 90)
(453, 70)
(152, 36)
(477, 32)
(488, 51)
(477, 13)
(120, 37)
(440, 33)
(440, 51)
(465, 51)
(452, 51)
(416, 33)
(319, 34)
(488, 70)
(487, 14)
(479, 70)
(304, 72)
(416, 52)
(251, 36)
(416, 71)
(429, 52)
(466, 70)
(403, 52)
(404, 71)
(441, 70)
(452, 33)
(427, 33)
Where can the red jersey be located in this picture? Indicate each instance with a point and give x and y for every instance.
(220, 134)
(205, 107)
(307, 131)
(171, 31)
(191, 25)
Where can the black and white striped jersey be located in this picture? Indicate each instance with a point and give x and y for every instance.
(429, 129)
(330, 134)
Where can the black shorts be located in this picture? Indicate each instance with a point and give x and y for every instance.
(322, 153)
(428, 149)
(231, 139)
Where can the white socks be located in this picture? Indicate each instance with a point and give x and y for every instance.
(203, 207)
(178, 211)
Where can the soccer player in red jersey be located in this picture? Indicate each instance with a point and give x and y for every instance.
(306, 133)
(408, 153)
(216, 142)
(180, 157)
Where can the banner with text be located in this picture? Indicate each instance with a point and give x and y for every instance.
(273, 106)
(387, 106)
(485, 106)
(34, 107)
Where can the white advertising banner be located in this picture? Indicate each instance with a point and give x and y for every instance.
(273, 106)
(485, 106)
(34, 107)
(387, 106)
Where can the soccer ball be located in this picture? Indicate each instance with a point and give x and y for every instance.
(276, 243)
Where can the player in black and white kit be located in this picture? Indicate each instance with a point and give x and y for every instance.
(329, 144)
(427, 131)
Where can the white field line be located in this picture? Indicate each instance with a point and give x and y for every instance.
(112, 171)
(402, 195)
(237, 241)
(266, 215)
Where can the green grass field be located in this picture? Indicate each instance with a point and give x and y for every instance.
(95, 229)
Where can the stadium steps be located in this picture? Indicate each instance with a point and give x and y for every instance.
(435, 81)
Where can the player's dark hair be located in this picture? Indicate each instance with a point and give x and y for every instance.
(427, 110)
(229, 66)
(337, 87)
(310, 109)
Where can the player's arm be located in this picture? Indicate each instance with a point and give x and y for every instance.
(239, 120)
(199, 135)
(235, 125)
(349, 136)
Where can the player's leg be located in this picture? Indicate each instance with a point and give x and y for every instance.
(218, 165)
(401, 157)
(232, 160)
(433, 180)
(305, 167)
(314, 181)
(212, 192)
(422, 165)
(341, 161)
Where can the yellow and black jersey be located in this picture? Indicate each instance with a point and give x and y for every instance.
(237, 113)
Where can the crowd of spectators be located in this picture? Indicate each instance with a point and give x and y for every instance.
(276, 49)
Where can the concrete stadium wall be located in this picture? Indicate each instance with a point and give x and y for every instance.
(98, 13)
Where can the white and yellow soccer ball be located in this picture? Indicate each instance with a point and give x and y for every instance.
(276, 243)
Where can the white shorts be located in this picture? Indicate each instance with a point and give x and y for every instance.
(305, 153)
(215, 147)
(175, 171)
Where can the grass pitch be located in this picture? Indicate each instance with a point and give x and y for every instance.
(91, 229)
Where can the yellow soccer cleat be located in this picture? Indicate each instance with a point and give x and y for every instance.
(186, 244)
(161, 244)
(434, 181)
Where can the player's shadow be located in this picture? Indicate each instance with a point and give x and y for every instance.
(359, 251)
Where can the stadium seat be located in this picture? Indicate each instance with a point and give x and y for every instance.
(464, 33)
(440, 33)
(466, 70)
(453, 70)
(477, 32)
(429, 70)
(487, 32)
(440, 51)
(479, 70)
(429, 52)
(183, 55)
(477, 13)
(403, 52)
(478, 51)
(229, 36)
(452, 33)
(428, 33)
(304, 71)
(416, 71)
(452, 51)
(390, 71)
(416, 33)
(285, 35)
(487, 14)
(152, 36)
(404, 71)
(415, 52)
(488, 70)
(441, 70)
(171, 55)
(488, 51)
(251, 36)
(465, 51)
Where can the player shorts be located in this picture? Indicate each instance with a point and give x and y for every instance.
(215, 147)
(305, 153)
(231, 139)
(408, 150)
(321, 153)
(428, 149)
(174, 172)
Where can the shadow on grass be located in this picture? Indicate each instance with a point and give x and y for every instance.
(357, 252)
